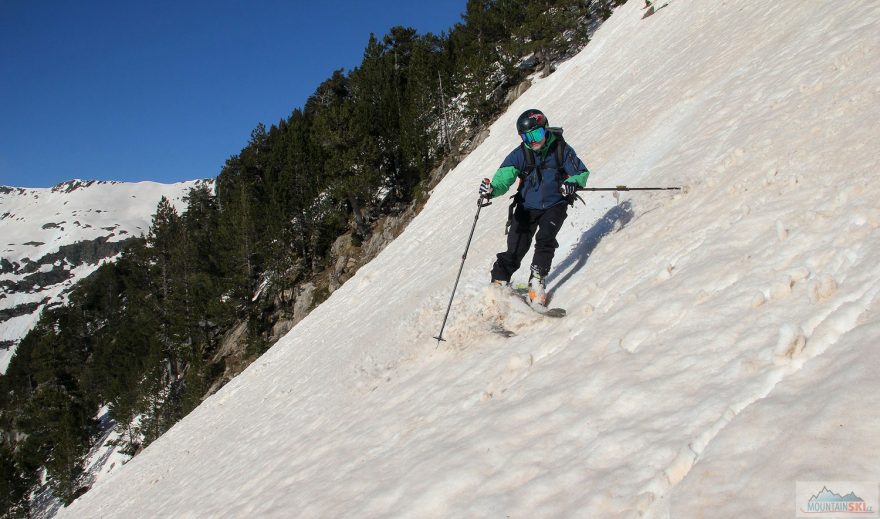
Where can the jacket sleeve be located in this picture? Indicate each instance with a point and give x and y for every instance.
(575, 169)
(507, 174)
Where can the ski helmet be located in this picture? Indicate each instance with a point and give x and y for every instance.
(531, 119)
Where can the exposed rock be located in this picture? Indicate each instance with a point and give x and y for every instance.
(282, 298)
(22, 309)
(336, 277)
(231, 352)
(281, 327)
(341, 263)
(303, 302)
(7, 267)
(72, 185)
(478, 139)
(387, 229)
(342, 246)
(233, 342)
(514, 93)
(79, 253)
(38, 280)
(445, 167)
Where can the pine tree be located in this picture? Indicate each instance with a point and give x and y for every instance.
(300, 186)
(14, 486)
(376, 119)
(237, 229)
(58, 429)
(422, 119)
(164, 232)
(127, 346)
(478, 66)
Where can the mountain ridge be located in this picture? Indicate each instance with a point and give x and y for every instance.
(55, 236)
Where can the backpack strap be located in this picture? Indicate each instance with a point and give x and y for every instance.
(560, 151)
(560, 163)
(517, 197)
(528, 155)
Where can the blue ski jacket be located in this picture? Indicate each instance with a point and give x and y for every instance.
(540, 186)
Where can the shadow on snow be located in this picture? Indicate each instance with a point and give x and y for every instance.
(615, 219)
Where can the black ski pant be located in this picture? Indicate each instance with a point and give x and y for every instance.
(525, 222)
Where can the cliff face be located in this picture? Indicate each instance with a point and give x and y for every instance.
(51, 238)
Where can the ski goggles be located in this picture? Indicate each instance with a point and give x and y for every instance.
(536, 135)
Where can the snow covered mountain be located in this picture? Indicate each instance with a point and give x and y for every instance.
(721, 344)
(53, 237)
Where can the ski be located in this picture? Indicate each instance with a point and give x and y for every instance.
(522, 292)
(550, 312)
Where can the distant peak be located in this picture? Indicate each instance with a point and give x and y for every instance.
(71, 185)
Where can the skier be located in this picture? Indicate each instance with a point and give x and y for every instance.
(550, 172)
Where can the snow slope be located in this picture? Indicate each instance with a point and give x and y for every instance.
(62, 232)
(720, 344)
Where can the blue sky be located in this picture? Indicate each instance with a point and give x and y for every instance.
(167, 91)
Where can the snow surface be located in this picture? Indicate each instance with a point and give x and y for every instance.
(720, 344)
(35, 222)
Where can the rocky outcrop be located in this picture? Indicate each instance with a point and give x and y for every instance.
(304, 301)
(81, 253)
(514, 93)
(7, 267)
(38, 280)
(384, 233)
(35, 276)
(22, 309)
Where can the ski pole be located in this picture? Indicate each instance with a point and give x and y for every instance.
(480, 205)
(624, 188)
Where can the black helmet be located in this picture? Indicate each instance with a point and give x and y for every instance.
(531, 119)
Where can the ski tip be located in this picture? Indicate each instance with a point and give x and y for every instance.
(549, 312)
(556, 312)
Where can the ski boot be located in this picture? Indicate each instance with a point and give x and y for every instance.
(537, 290)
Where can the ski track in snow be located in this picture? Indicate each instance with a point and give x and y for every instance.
(691, 370)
